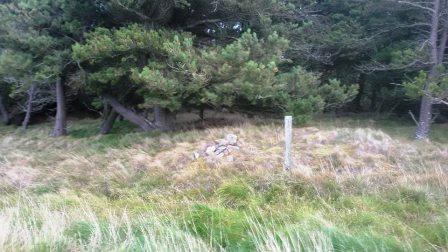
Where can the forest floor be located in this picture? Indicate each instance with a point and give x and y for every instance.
(357, 185)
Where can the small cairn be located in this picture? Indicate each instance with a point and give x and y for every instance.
(220, 149)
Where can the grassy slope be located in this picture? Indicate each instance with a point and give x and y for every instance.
(354, 188)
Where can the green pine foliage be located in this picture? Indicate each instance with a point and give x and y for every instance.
(304, 94)
(140, 61)
(437, 87)
(164, 68)
(282, 57)
(35, 40)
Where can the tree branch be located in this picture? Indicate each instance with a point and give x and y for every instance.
(413, 117)
(443, 43)
(201, 22)
(417, 6)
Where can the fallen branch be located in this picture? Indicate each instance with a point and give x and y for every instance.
(413, 117)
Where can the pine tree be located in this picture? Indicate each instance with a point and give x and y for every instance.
(44, 31)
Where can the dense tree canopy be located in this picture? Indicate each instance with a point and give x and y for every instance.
(131, 57)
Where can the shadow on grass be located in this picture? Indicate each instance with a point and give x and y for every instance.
(92, 128)
(401, 128)
(124, 135)
(396, 127)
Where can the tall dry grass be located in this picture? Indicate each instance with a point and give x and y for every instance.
(352, 188)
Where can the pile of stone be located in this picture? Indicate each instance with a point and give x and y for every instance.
(219, 149)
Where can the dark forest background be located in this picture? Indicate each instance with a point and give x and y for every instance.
(146, 60)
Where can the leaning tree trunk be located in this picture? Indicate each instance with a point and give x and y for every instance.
(60, 124)
(29, 106)
(4, 112)
(108, 122)
(425, 119)
(129, 115)
(163, 118)
(425, 116)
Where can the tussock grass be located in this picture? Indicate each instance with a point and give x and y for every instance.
(356, 186)
(38, 226)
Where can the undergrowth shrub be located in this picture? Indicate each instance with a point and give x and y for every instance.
(302, 188)
(331, 190)
(223, 227)
(411, 195)
(80, 231)
(312, 235)
(275, 193)
(436, 232)
(235, 194)
(341, 241)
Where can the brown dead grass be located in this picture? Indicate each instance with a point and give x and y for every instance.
(341, 153)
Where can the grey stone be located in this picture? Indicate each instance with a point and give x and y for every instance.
(222, 142)
(231, 139)
(210, 150)
(232, 148)
(220, 149)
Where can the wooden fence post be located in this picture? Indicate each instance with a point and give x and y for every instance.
(288, 142)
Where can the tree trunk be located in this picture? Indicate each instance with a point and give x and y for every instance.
(29, 106)
(373, 100)
(106, 109)
(108, 122)
(106, 112)
(425, 116)
(443, 44)
(129, 115)
(4, 112)
(362, 87)
(163, 118)
(424, 122)
(202, 113)
(60, 124)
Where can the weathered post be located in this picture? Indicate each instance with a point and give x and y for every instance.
(288, 142)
